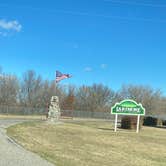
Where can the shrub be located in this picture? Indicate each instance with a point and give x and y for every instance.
(152, 121)
(129, 122)
(164, 122)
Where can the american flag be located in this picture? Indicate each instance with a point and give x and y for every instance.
(60, 76)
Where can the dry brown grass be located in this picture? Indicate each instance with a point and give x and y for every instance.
(92, 143)
(33, 117)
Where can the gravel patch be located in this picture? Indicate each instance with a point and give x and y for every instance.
(12, 154)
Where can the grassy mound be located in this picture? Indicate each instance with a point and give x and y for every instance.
(94, 143)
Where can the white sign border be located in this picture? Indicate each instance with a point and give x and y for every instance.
(138, 115)
(128, 113)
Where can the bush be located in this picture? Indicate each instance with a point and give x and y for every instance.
(152, 121)
(129, 122)
(164, 122)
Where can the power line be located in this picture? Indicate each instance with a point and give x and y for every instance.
(86, 14)
(136, 3)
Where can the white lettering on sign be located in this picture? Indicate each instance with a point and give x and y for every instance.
(123, 109)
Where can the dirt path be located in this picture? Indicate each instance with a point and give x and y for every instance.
(11, 154)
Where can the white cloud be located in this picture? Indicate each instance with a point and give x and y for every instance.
(103, 66)
(12, 25)
(88, 69)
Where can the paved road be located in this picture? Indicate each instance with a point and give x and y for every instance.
(11, 154)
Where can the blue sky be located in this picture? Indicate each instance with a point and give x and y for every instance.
(97, 41)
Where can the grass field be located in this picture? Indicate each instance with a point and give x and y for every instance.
(26, 117)
(92, 143)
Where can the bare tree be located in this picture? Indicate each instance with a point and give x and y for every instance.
(149, 97)
(31, 89)
(8, 89)
(69, 100)
(93, 98)
(51, 89)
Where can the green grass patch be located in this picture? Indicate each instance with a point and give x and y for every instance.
(92, 143)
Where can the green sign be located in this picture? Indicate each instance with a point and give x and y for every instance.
(128, 107)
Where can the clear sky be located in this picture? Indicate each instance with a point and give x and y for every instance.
(113, 42)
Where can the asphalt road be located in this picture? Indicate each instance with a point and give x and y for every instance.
(11, 154)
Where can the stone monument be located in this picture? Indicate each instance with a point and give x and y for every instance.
(54, 109)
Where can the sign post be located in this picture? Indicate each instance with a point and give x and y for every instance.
(138, 122)
(128, 107)
(116, 121)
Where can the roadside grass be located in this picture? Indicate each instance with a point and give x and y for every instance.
(26, 117)
(92, 143)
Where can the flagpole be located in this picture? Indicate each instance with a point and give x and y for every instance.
(59, 76)
(55, 84)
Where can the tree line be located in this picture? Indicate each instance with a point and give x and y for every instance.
(31, 90)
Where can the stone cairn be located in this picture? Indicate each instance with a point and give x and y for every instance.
(54, 110)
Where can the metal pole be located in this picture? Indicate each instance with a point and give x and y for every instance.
(116, 121)
(138, 121)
